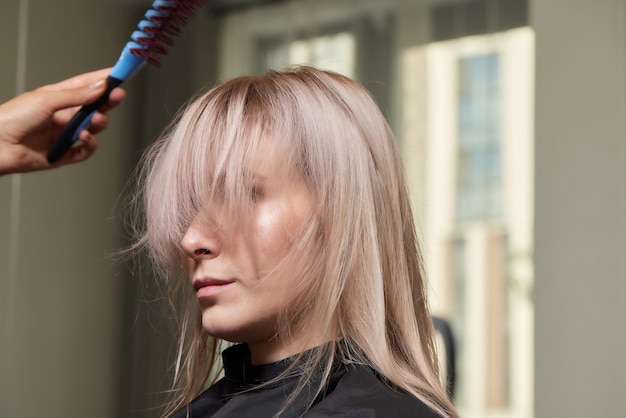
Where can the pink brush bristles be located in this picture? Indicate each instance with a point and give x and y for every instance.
(162, 23)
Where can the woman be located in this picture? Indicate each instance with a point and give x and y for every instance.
(280, 201)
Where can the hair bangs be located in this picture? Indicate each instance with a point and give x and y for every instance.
(206, 161)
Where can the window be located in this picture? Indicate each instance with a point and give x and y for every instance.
(455, 81)
(477, 215)
(335, 52)
(479, 172)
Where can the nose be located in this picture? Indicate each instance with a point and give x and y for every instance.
(201, 240)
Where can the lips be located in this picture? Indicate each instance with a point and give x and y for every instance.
(207, 287)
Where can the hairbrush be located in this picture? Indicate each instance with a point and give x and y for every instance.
(155, 32)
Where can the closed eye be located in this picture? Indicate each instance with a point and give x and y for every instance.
(256, 193)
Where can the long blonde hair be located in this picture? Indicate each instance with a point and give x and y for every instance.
(361, 249)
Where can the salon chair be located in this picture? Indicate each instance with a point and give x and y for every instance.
(448, 364)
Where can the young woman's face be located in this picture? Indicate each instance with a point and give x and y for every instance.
(243, 279)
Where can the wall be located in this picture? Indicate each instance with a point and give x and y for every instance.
(59, 289)
(580, 211)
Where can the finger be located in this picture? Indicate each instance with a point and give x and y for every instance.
(99, 122)
(80, 152)
(80, 80)
(55, 100)
(64, 115)
(115, 98)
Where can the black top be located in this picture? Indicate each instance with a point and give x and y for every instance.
(352, 392)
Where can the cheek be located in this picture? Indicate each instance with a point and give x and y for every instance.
(274, 233)
(271, 236)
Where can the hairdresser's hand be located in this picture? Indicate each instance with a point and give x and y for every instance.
(30, 123)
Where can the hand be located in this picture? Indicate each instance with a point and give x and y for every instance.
(30, 122)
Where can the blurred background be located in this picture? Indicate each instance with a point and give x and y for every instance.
(511, 118)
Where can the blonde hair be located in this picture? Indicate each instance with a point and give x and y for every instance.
(361, 246)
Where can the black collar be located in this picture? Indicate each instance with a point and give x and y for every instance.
(241, 372)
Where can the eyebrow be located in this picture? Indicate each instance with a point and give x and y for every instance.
(248, 176)
(254, 175)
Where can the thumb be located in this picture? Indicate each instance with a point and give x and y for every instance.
(60, 99)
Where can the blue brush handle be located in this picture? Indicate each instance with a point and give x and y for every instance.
(126, 65)
(80, 121)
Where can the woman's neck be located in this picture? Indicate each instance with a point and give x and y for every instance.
(265, 352)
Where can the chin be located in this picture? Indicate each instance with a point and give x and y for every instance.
(222, 327)
(226, 328)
